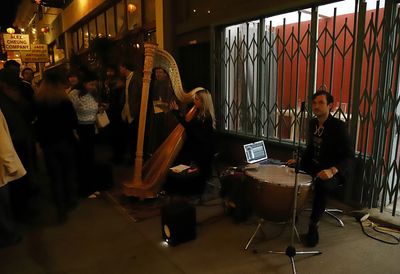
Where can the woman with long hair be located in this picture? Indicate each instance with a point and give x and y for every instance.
(56, 125)
(199, 123)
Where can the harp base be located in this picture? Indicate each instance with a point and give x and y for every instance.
(128, 189)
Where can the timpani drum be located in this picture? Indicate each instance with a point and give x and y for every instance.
(271, 191)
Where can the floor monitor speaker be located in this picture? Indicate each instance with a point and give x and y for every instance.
(178, 223)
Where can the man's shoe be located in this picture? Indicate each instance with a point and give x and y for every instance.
(312, 238)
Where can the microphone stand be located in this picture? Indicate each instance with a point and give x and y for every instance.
(290, 249)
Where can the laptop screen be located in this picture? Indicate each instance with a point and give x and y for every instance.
(255, 152)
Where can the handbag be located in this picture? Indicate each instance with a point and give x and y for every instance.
(102, 119)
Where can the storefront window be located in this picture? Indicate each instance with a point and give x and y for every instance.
(58, 53)
(110, 22)
(75, 41)
(101, 25)
(120, 17)
(134, 14)
(58, 49)
(80, 39)
(85, 36)
(92, 29)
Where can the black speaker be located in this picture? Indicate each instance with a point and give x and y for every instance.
(178, 223)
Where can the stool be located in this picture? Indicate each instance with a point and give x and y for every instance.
(330, 211)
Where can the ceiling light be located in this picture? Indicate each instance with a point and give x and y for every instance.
(10, 30)
(131, 8)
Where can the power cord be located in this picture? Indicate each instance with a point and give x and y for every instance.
(364, 222)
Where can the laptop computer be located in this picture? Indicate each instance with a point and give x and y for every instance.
(255, 153)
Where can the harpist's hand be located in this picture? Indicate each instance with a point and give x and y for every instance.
(173, 105)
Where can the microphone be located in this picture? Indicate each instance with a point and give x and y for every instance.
(303, 106)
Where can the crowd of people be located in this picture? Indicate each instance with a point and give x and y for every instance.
(53, 121)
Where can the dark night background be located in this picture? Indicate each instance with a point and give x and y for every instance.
(7, 14)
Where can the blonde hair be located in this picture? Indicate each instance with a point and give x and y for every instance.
(207, 106)
(51, 91)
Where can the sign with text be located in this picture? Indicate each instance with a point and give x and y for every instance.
(37, 54)
(16, 41)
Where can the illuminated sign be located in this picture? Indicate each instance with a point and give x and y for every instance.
(16, 41)
(37, 54)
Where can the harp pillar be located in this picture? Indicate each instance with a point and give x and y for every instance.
(136, 187)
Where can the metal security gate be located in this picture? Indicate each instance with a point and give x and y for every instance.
(380, 109)
(265, 68)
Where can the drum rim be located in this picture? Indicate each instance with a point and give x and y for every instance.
(306, 178)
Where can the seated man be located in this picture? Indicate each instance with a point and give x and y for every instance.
(328, 157)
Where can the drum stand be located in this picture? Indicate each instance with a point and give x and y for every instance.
(260, 223)
(290, 249)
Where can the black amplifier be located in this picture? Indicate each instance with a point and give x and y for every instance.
(178, 223)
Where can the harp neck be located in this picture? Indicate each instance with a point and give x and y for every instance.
(191, 113)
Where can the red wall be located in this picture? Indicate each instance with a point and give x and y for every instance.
(340, 84)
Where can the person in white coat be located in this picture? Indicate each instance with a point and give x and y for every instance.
(11, 169)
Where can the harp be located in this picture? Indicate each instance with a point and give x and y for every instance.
(148, 177)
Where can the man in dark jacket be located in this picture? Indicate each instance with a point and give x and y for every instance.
(131, 105)
(328, 157)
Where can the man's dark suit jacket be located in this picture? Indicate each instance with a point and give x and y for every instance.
(336, 149)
